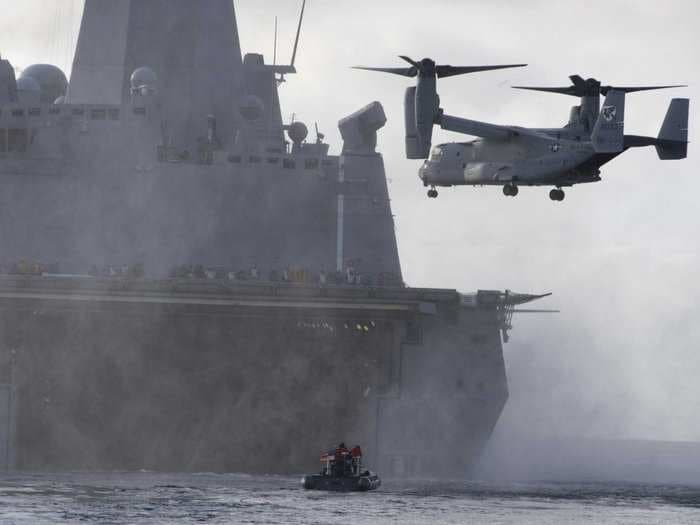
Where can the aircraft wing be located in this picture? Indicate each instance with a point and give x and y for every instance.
(476, 128)
(487, 130)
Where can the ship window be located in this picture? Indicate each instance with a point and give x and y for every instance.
(98, 114)
(17, 140)
(113, 114)
(289, 164)
(328, 163)
(17, 112)
(311, 164)
(234, 159)
(254, 159)
(141, 112)
(78, 112)
(34, 112)
(3, 139)
(54, 111)
(273, 160)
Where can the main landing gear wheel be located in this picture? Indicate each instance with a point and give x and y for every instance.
(510, 190)
(557, 195)
(432, 193)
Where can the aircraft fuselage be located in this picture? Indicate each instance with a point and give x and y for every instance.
(529, 160)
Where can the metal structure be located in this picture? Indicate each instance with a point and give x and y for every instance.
(189, 281)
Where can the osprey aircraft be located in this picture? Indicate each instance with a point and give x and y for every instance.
(513, 156)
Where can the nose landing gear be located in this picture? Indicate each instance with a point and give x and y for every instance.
(432, 193)
(510, 190)
(557, 194)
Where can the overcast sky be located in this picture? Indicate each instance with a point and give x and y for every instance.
(621, 256)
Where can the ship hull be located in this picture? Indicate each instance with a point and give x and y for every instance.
(114, 375)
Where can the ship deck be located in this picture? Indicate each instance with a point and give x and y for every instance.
(220, 293)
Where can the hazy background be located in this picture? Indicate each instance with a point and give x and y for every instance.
(621, 256)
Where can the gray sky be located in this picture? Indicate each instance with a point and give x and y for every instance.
(621, 256)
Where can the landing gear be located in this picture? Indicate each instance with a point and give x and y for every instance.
(557, 195)
(432, 193)
(510, 190)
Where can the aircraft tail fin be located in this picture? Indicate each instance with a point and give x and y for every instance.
(609, 131)
(672, 143)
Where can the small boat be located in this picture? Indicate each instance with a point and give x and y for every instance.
(342, 471)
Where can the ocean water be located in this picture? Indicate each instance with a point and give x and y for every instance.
(145, 498)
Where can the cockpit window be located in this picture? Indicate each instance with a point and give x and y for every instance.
(437, 154)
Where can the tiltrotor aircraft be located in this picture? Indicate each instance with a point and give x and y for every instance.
(512, 156)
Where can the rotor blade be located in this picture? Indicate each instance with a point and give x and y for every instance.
(403, 71)
(571, 90)
(577, 80)
(410, 61)
(604, 90)
(450, 71)
(531, 311)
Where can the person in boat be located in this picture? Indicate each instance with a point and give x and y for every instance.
(356, 460)
(341, 456)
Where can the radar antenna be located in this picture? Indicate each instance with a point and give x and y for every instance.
(274, 56)
(296, 40)
(287, 70)
(319, 136)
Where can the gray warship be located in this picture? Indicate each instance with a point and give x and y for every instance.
(190, 283)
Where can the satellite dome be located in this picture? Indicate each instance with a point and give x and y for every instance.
(51, 80)
(298, 132)
(28, 84)
(60, 100)
(251, 108)
(144, 79)
(28, 91)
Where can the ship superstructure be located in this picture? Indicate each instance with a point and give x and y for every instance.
(189, 279)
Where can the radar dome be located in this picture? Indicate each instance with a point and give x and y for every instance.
(60, 100)
(28, 90)
(298, 132)
(251, 108)
(51, 80)
(144, 79)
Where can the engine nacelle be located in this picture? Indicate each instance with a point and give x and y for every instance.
(421, 108)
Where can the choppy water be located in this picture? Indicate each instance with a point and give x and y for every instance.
(208, 498)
